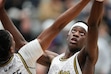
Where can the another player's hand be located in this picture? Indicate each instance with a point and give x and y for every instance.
(2, 3)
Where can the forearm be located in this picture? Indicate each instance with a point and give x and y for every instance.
(8, 25)
(96, 12)
(93, 22)
(70, 14)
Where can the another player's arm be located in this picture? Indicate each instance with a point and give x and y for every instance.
(8, 25)
(46, 37)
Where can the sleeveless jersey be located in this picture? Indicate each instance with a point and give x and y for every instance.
(14, 66)
(68, 66)
(25, 61)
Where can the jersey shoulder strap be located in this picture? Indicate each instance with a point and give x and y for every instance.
(24, 63)
(75, 66)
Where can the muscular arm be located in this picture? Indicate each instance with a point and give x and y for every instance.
(93, 24)
(91, 50)
(46, 37)
(8, 25)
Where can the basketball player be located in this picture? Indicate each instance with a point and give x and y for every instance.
(82, 52)
(24, 61)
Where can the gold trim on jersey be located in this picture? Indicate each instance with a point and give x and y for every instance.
(27, 68)
(7, 62)
(64, 72)
(62, 59)
(75, 66)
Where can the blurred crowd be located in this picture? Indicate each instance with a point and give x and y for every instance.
(31, 17)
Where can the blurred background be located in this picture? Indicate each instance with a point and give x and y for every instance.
(31, 17)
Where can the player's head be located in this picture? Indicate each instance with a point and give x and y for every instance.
(77, 36)
(6, 45)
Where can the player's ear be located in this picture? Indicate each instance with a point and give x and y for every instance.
(12, 50)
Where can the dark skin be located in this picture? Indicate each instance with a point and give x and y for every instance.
(46, 37)
(87, 57)
(86, 42)
(87, 46)
(88, 54)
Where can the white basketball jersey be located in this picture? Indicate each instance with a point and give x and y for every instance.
(14, 66)
(68, 66)
(25, 61)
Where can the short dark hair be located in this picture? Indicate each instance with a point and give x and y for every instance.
(5, 44)
(82, 22)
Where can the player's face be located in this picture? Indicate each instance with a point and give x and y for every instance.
(76, 39)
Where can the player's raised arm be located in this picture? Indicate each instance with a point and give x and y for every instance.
(90, 55)
(8, 25)
(93, 25)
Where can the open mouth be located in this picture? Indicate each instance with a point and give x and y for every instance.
(73, 41)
